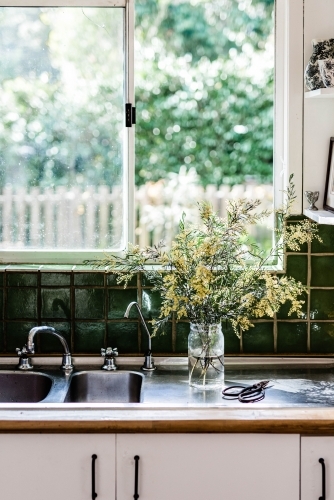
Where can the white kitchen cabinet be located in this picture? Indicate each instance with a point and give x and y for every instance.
(56, 466)
(209, 466)
(312, 449)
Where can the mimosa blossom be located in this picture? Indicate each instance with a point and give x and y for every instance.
(213, 272)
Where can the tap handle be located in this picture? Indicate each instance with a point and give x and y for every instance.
(109, 352)
(25, 351)
(109, 355)
(24, 362)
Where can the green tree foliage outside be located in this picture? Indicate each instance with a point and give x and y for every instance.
(204, 93)
(204, 89)
(61, 100)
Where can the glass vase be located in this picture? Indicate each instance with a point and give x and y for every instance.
(206, 356)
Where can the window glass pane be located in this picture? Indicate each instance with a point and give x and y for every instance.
(204, 98)
(62, 128)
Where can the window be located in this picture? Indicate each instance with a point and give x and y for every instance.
(205, 116)
(64, 144)
(205, 105)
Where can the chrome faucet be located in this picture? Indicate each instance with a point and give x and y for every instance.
(148, 361)
(29, 349)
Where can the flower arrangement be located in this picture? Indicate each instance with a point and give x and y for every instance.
(213, 272)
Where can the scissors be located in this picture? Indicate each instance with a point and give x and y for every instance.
(247, 393)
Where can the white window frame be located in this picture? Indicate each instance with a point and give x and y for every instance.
(79, 256)
(289, 95)
(288, 117)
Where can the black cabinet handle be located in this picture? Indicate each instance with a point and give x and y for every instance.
(136, 496)
(323, 469)
(94, 494)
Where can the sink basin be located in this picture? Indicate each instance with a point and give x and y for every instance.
(17, 387)
(105, 387)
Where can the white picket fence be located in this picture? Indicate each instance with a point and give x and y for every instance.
(90, 218)
(159, 209)
(60, 218)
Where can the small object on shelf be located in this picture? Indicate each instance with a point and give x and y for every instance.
(322, 49)
(312, 197)
(326, 68)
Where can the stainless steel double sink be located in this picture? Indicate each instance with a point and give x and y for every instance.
(294, 382)
(93, 386)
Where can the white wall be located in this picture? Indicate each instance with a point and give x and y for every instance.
(318, 113)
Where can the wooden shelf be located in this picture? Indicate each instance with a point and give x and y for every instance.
(320, 216)
(320, 93)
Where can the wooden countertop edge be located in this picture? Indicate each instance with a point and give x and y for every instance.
(322, 428)
(306, 422)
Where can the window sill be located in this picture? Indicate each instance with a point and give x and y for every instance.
(48, 268)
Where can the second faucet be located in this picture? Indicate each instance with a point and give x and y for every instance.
(148, 361)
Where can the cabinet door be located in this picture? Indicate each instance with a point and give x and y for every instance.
(208, 466)
(312, 449)
(56, 466)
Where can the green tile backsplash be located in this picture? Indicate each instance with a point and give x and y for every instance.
(124, 336)
(56, 303)
(21, 303)
(292, 338)
(296, 267)
(89, 337)
(88, 307)
(89, 303)
(259, 339)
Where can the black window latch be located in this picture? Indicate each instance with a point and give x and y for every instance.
(130, 115)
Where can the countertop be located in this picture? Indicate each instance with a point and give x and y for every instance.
(300, 399)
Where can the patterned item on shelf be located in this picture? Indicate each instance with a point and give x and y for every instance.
(312, 197)
(326, 68)
(322, 49)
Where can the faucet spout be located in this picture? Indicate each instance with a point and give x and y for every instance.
(148, 363)
(29, 348)
(126, 315)
(45, 329)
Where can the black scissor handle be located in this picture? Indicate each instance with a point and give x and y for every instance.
(231, 393)
(252, 397)
(246, 394)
